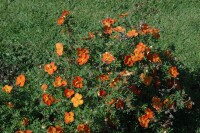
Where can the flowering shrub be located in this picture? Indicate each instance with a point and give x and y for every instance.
(114, 80)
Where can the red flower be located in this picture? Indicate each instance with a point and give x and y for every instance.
(120, 104)
(65, 13)
(83, 128)
(101, 93)
(78, 82)
(129, 60)
(135, 90)
(157, 104)
(68, 93)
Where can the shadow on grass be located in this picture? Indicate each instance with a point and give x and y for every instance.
(188, 121)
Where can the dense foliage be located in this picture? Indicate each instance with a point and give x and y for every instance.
(114, 79)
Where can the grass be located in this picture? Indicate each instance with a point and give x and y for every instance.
(29, 30)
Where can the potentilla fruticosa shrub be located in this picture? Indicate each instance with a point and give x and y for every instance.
(112, 80)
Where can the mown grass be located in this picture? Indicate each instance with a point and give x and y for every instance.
(28, 29)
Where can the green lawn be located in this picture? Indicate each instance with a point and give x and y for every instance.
(28, 29)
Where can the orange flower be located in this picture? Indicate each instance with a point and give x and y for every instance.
(144, 121)
(90, 36)
(83, 54)
(157, 104)
(59, 82)
(25, 121)
(108, 58)
(10, 105)
(83, 59)
(123, 15)
(44, 87)
(56, 129)
(129, 60)
(146, 79)
(166, 101)
(168, 53)
(83, 128)
(189, 104)
(144, 28)
(20, 80)
(156, 35)
(132, 33)
(125, 73)
(149, 113)
(60, 21)
(112, 101)
(138, 56)
(114, 82)
(25, 131)
(81, 51)
(119, 29)
(47, 99)
(68, 93)
(173, 71)
(108, 22)
(77, 100)
(69, 117)
(78, 82)
(154, 32)
(155, 58)
(103, 77)
(59, 49)
(140, 47)
(50, 68)
(7, 88)
(120, 104)
(108, 30)
(65, 13)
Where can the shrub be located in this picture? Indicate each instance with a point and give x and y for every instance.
(113, 80)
